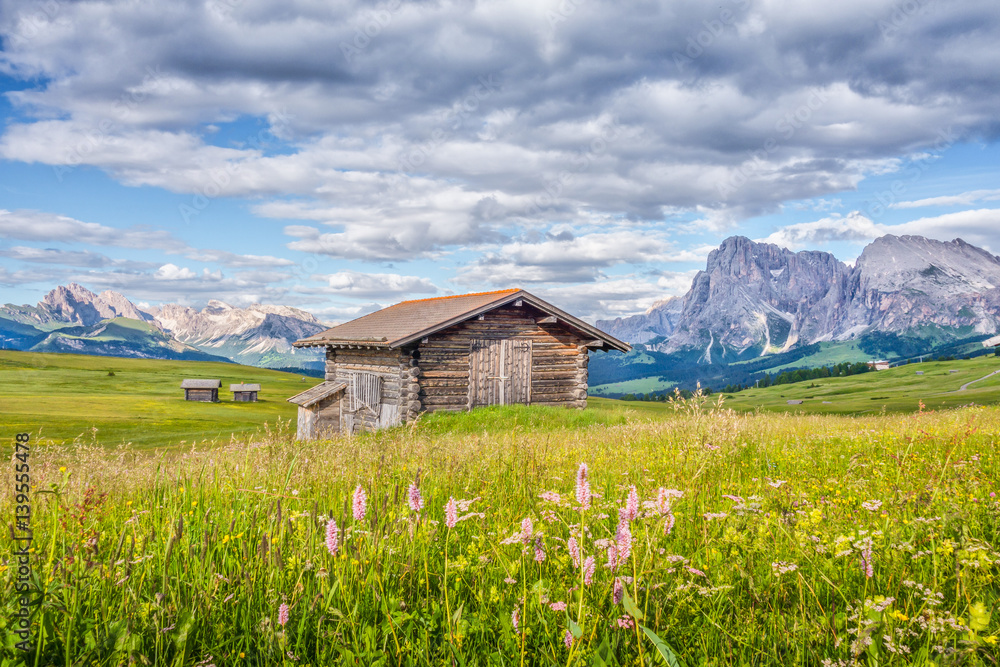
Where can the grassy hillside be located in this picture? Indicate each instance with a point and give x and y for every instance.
(896, 389)
(62, 397)
(703, 538)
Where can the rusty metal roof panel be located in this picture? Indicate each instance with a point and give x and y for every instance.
(316, 394)
(386, 327)
(409, 321)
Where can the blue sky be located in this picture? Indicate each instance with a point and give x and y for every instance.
(339, 157)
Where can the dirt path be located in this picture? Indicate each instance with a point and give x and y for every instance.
(966, 385)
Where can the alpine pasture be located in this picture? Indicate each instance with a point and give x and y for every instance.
(678, 534)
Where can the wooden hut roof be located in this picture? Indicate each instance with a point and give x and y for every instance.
(316, 394)
(410, 321)
(201, 384)
(244, 387)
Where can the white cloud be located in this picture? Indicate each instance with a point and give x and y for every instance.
(174, 272)
(853, 227)
(979, 227)
(28, 225)
(376, 285)
(963, 199)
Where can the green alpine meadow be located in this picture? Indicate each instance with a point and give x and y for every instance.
(688, 535)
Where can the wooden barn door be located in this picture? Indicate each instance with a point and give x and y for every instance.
(499, 372)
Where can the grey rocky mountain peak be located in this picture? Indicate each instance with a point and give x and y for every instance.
(761, 298)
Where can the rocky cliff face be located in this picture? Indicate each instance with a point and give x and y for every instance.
(758, 298)
(657, 322)
(75, 304)
(901, 283)
(256, 335)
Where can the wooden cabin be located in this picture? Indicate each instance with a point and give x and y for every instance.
(994, 343)
(201, 390)
(448, 353)
(244, 393)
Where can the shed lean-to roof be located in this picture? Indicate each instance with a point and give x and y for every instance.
(244, 387)
(409, 321)
(316, 394)
(201, 384)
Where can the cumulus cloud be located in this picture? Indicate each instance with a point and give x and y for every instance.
(387, 133)
(377, 285)
(979, 227)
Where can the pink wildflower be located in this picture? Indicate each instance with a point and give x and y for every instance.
(450, 513)
(625, 622)
(282, 614)
(619, 592)
(332, 537)
(583, 487)
(509, 580)
(568, 639)
(515, 618)
(539, 552)
(612, 557)
(574, 551)
(866, 562)
(668, 524)
(588, 571)
(662, 501)
(360, 503)
(632, 504)
(696, 571)
(527, 530)
(413, 498)
(623, 538)
(558, 606)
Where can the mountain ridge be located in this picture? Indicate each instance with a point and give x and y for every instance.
(755, 299)
(71, 317)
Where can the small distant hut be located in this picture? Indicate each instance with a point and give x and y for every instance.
(448, 353)
(880, 365)
(244, 393)
(994, 343)
(201, 390)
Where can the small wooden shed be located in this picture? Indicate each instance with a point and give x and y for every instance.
(448, 353)
(244, 393)
(320, 410)
(201, 390)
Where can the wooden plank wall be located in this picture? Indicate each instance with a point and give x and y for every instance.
(342, 363)
(558, 360)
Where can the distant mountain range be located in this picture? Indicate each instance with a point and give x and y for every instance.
(905, 295)
(74, 319)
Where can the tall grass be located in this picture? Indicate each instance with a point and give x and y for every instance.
(794, 540)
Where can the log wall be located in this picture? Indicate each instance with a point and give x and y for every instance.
(558, 360)
(434, 375)
(342, 363)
